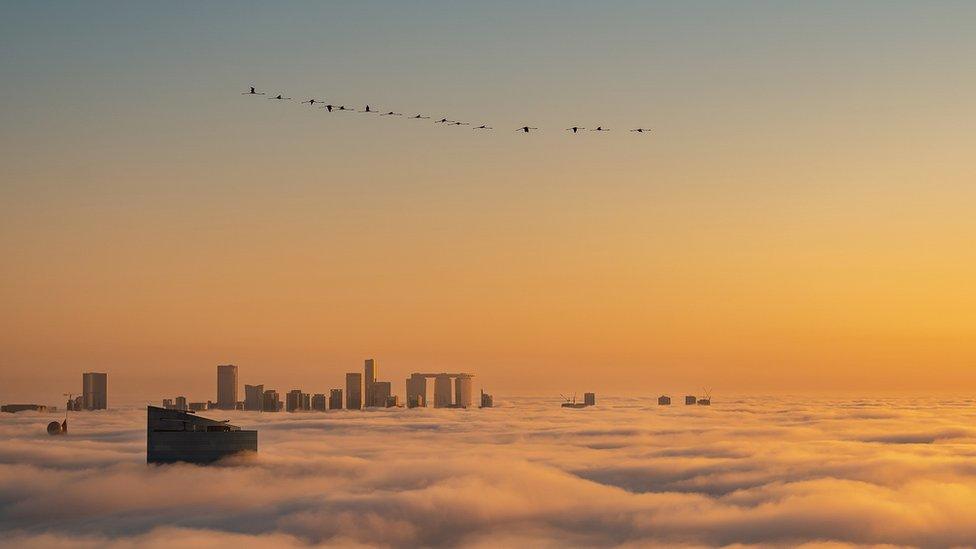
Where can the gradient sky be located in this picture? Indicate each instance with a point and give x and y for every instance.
(802, 217)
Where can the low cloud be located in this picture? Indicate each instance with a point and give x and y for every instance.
(528, 473)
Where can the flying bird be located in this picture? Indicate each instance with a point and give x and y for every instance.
(420, 117)
(442, 121)
(343, 108)
(600, 129)
(526, 129)
(391, 113)
(640, 130)
(311, 102)
(280, 98)
(327, 107)
(483, 127)
(575, 129)
(460, 124)
(367, 109)
(252, 92)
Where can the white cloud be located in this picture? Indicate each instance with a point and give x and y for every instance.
(748, 472)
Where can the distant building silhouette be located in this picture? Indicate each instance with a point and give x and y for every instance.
(254, 398)
(319, 402)
(335, 399)
(462, 391)
(589, 399)
(690, 400)
(664, 400)
(271, 401)
(181, 404)
(486, 400)
(14, 408)
(168, 404)
(226, 386)
(381, 393)
(442, 391)
(94, 386)
(392, 401)
(354, 391)
(416, 390)
(369, 381)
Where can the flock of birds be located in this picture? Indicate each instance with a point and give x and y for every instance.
(446, 121)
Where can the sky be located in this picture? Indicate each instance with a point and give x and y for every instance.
(745, 472)
(799, 219)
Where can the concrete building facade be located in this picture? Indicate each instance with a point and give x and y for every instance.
(226, 386)
(94, 390)
(253, 398)
(354, 391)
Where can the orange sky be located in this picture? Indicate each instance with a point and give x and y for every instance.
(782, 229)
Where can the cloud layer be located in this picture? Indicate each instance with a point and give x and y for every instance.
(527, 473)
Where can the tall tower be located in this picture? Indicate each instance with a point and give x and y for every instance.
(226, 386)
(442, 391)
(369, 380)
(462, 391)
(354, 391)
(94, 390)
(416, 390)
(253, 397)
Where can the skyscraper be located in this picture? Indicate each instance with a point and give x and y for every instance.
(271, 401)
(381, 393)
(319, 403)
(354, 391)
(227, 387)
(335, 399)
(253, 397)
(293, 400)
(94, 389)
(369, 381)
(442, 391)
(181, 403)
(462, 391)
(416, 390)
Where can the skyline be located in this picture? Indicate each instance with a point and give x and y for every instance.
(798, 220)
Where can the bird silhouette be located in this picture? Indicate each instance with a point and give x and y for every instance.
(327, 107)
(343, 108)
(460, 124)
(526, 129)
(640, 130)
(483, 127)
(367, 109)
(280, 98)
(311, 102)
(420, 117)
(575, 129)
(442, 121)
(600, 129)
(252, 92)
(391, 113)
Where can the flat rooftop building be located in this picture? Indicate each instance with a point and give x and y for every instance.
(174, 436)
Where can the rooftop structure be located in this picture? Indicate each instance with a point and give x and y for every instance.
(173, 436)
(664, 400)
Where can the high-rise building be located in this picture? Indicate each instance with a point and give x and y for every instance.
(416, 390)
(254, 398)
(319, 403)
(168, 404)
(442, 391)
(462, 391)
(589, 399)
(392, 401)
(368, 381)
(293, 400)
(486, 400)
(664, 400)
(381, 392)
(690, 400)
(181, 404)
(94, 390)
(271, 401)
(226, 386)
(335, 399)
(354, 391)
